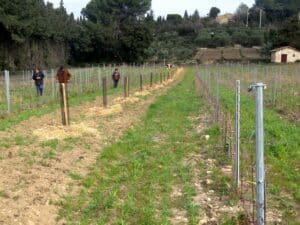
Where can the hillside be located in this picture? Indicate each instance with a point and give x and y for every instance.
(212, 55)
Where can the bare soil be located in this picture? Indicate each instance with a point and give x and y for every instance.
(36, 171)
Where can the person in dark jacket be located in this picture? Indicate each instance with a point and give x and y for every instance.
(38, 77)
(116, 77)
(63, 75)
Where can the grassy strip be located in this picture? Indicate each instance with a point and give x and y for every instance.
(282, 141)
(75, 100)
(132, 180)
(13, 120)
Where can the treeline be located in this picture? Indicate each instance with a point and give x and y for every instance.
(268, 23)
(33, 32)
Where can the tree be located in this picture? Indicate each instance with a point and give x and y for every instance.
(277, 11)
(213, 39)
(186, 15)
(288, 34)
(114, 24)
(214, 12)
(105, 12)
(196, 16)
(174, 18)
(241, 12)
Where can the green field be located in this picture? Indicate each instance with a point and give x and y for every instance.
(172, 164)
(281, 127)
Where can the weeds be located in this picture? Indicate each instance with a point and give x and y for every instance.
(131, 182)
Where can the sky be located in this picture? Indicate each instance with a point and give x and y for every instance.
(164, 7)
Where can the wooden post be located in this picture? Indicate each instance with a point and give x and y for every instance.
(104, 87)
(126, 87)
(64, 104)
(141, 82)
(151, 79)
(160, 76)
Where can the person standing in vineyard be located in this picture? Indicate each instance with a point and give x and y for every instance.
(38, 77)
(116, 77)
(63, 75)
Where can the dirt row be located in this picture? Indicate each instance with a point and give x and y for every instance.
(40, 156)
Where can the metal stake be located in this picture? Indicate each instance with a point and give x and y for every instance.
(260, 167)
(7, 89)
(237, 134)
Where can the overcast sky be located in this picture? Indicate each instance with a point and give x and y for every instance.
(164, 7)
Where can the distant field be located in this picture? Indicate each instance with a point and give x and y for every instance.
(232, 54)
(209, 55)
(251, 53)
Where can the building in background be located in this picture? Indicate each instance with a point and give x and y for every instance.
(224, 19)
(285, 54)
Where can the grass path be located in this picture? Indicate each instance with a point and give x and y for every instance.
(154, 174)
(41, 161)
(133, 178)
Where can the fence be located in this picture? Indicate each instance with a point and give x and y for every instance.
(283, 92)
(84, 81)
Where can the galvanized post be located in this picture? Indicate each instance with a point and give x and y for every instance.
(80, 80)
(99, 77)
(53, 83)
(7, 89)
(237, 134)
(260, 167)
(274, 91)
(217, 98)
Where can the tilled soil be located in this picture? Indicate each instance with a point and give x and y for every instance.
(40, 156)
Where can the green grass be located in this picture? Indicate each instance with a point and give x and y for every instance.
(3, 194)
(53, 143)
(38, 106)
(74, 100)
(15, 119)
(282, 146)
(132, 180)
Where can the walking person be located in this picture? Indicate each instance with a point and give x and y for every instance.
(38, 77)
(116, 77)
(63, 76)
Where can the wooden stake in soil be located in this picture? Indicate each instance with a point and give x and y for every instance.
(104, 85)
(141, 82)
(126, 87)
(64, 104)
(151, 79)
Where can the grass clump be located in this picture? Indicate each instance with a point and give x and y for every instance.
(132, 180)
